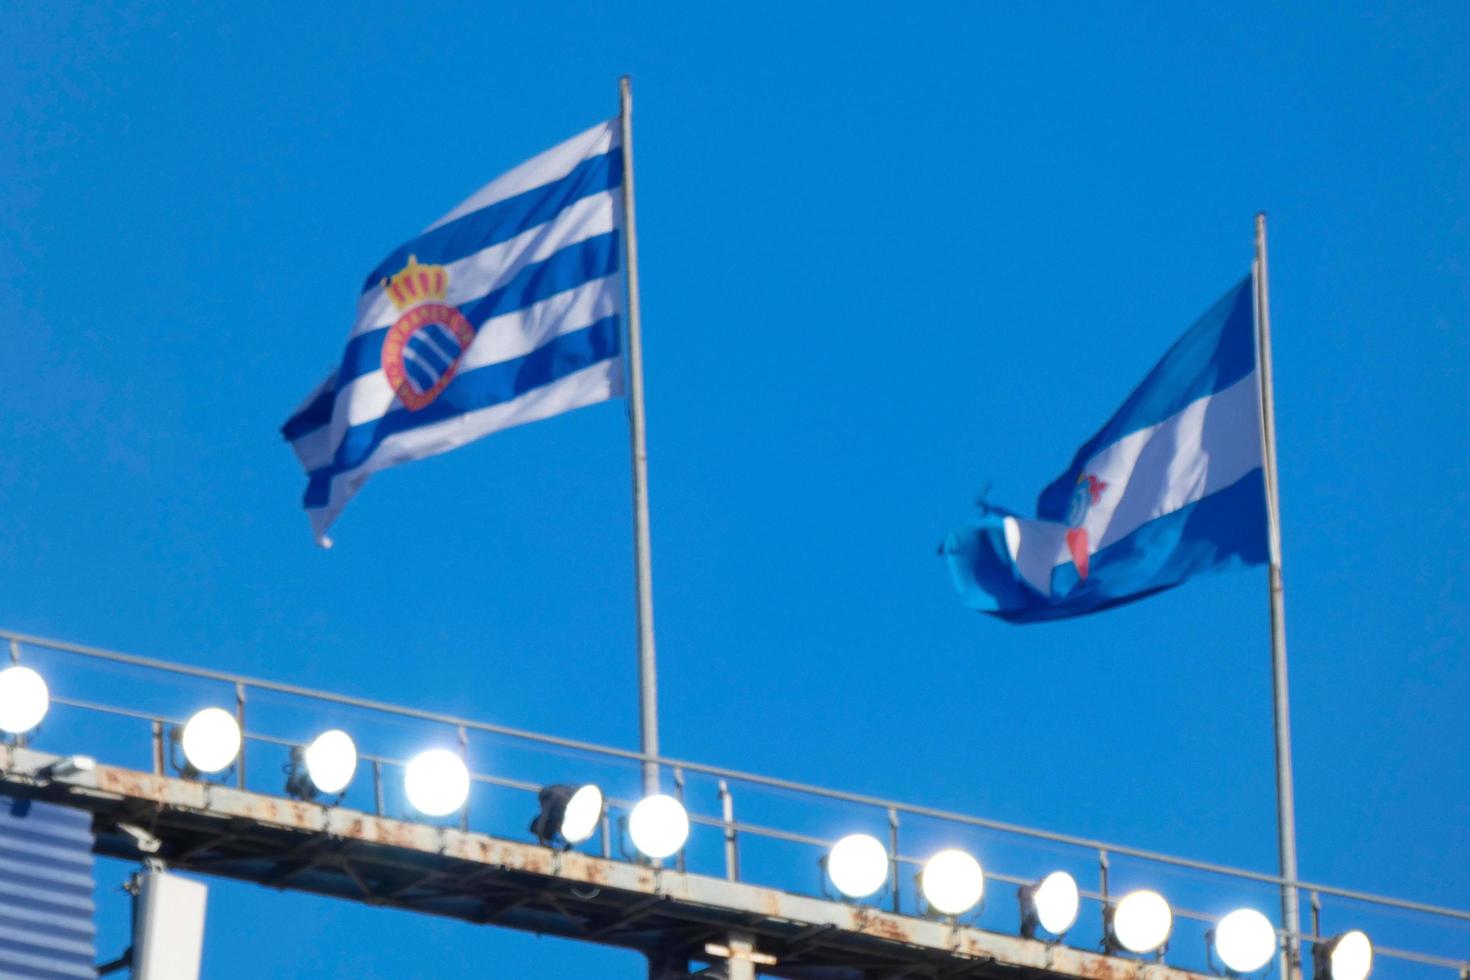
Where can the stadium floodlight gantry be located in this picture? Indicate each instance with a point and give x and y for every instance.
(594, 864)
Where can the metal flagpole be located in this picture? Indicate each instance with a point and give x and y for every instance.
(1285, 804)
(647, 670)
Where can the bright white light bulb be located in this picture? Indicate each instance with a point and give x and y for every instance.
(584, 810)
(952, 882)
(1141, 921)
(437, 782)
(658, 825)
(857, 865)
(24, 699)
(1245, 940)
(331, 761)
(211, 740)
(1352, 956)
(1056, 902)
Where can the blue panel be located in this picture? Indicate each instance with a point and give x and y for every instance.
(47, 914)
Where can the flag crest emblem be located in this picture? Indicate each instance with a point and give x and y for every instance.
(1087, 492)
(427, 341)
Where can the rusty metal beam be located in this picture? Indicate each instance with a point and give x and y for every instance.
(444, 871)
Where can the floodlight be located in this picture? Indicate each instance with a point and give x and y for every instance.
(583, 813)
(24, 700)
(1141, 921)
(658, 825)
(857, 865)
(324, 767)
(331, 760)
(1049, 904)
(1245, 940)
(568, 812)
(437, 782)
(952, 882)
(1348, 956)
(211, 740)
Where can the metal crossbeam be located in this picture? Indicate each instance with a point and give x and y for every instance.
(665, 914)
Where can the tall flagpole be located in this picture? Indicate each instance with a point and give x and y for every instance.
(647, 669)
(1285, 802)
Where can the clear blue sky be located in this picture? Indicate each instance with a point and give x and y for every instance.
(891, 254)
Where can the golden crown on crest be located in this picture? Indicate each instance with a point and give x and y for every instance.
(415, 284)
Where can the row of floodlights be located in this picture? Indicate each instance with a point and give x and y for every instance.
(952, 883)
(437, 783)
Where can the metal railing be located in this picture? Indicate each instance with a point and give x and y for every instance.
(1453, 925)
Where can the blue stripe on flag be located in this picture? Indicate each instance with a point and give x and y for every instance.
(443, 342)
(483, 387)
(1218, 351)
(578, 263)
(1214, 534)
(505, 219)
(429, 354)
(313, 416)
(423, 379)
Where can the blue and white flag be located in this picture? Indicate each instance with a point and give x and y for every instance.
(504, 311)
(1171, 488)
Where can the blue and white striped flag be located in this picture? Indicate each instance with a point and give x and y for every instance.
(504, 311)
(1171, 488)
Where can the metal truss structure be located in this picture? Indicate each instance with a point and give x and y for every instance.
(675, 919)
(697, 910)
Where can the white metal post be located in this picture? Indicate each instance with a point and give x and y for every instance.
(1285, 801)
(642, 551)
(740, 965)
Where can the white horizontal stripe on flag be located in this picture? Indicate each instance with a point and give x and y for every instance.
(1206, 447)
(596, 383)
(490, 268)
(1036, 547)
(555, 163)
